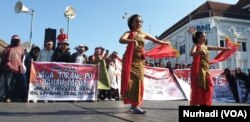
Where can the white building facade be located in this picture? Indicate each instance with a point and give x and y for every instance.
(216, 29)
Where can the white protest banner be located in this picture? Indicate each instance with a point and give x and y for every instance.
(160, 85)
(185, 86)
(62, 81)
(222, 91)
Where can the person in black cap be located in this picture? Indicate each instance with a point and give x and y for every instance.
(32, 56)
(62, 54)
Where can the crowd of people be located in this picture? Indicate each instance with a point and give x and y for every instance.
(232, 76)
(16, 65)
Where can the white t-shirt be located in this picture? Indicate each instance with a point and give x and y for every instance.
(113, 77)
(80, 59)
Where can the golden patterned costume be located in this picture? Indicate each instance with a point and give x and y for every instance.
(204, 69)
(201, 80)
(133, 93)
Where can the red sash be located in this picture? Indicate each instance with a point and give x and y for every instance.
(126, 65)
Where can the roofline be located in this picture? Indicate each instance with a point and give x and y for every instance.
(204, 14)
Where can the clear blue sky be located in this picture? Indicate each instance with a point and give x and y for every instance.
(97, 22)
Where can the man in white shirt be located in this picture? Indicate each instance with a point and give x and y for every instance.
(46, 54)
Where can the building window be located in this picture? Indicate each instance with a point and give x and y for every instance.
(242, 47)
(182, 49)
(222, 43)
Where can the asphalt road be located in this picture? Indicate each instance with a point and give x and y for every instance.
(104, 111)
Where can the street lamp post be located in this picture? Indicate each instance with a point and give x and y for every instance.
(19, 7)
(68, 28)
(69, 14)
(31, 28)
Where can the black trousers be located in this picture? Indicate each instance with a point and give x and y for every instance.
(103, 94)
(14, 85)
(114, 93)
(2, 87)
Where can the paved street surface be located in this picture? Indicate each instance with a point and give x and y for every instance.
(105, 111)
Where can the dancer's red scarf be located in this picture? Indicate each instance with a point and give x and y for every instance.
(126, 65)
(223, 55)
(161, 51)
